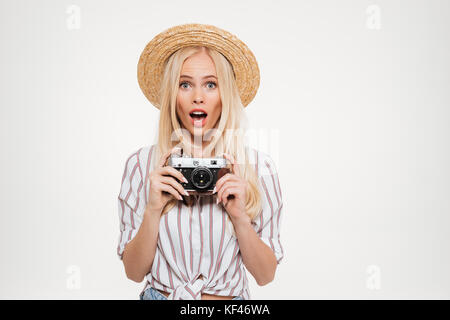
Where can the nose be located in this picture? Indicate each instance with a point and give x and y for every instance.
(198, 96)
(198, 100)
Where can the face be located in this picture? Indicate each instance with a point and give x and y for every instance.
(198, 89)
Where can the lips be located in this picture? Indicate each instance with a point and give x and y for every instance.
(198, 117)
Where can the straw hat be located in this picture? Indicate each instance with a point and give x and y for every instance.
(151, 61)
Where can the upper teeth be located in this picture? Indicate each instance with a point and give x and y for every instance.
(198, 112)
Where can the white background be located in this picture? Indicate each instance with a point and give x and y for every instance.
(353, 106)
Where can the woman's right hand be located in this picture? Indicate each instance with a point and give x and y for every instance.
(163, 185)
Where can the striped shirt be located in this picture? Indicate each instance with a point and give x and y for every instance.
(197, 251)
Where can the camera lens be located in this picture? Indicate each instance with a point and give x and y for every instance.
(201, 177)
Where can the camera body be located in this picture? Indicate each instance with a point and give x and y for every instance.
(201, 173)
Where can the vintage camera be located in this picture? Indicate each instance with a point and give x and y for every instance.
(201, 173)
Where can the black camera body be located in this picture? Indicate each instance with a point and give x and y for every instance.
(201, 173)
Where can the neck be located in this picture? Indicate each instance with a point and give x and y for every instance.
(199, 151)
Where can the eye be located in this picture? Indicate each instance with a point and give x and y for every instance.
(182, 83)
(213, 84)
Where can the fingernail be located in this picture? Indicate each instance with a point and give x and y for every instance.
(186, 193)
(214, 190)
(185, 180)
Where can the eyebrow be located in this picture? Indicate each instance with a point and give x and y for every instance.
(208, 76)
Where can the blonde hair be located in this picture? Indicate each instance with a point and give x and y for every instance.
(227, 135)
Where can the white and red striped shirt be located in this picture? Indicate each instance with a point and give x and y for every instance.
(197, 240)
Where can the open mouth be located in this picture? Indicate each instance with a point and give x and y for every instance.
(198, 118)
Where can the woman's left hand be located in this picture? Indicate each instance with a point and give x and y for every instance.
(232, 192)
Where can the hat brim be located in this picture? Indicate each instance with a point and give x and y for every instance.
(159, 49)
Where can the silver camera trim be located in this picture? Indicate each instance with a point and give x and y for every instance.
(197, 162)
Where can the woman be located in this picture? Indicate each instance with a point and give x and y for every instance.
(192, 246)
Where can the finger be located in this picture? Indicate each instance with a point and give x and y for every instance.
(223, 179)
(164, 158)
(223, 188)
(229, 191)
(171, 190)
(173, 172)
(234, 165)
(175, 184)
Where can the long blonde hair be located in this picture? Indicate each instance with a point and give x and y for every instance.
(229, 132)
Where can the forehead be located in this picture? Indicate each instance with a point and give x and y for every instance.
(198, 65)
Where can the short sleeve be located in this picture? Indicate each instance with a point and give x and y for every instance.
(131, 204)
(267, 224)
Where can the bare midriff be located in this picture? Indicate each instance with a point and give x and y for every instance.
(205, 296)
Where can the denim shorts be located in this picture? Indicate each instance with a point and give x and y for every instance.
(152, 294)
